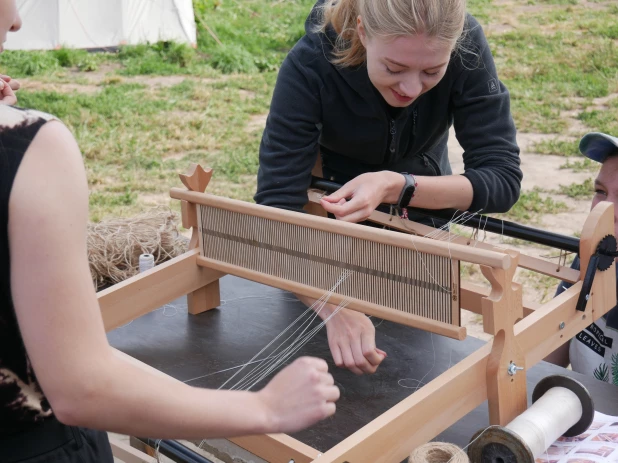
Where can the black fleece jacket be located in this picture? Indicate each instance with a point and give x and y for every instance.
(318, 107)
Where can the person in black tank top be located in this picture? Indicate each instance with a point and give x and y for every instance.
(61, 384)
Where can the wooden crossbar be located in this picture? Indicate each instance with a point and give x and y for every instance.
(154, 288)
(415, 243)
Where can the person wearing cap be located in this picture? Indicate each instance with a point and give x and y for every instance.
(594, 351)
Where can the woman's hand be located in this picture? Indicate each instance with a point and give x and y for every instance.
(352, 341)
(7, 88)
(357, 199)
(351, 338)
(302, 394)
(14, 84)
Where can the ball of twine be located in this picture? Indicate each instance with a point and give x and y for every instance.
(115, 245)
(438, 452)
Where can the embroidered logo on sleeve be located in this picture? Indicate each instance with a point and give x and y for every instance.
(493, 85)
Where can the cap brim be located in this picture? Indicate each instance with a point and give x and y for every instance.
(597, 146)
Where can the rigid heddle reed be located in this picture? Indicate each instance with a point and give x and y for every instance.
(373, 255)
(402, 279)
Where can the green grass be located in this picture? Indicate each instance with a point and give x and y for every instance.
(255, 34)
(481, 9)
(601, 120)
(557, 147)
(531, 206)
(553, 2)
(583, 190)
(251, 36)
(135, 139)
(547, 66)
(585, 165)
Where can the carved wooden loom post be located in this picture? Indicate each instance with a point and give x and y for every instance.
(600, 223)
(207, 297)
(506, 390)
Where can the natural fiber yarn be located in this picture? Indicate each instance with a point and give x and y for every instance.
(438, 452)
(115, 246)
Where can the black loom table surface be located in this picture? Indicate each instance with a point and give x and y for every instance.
(188, 346)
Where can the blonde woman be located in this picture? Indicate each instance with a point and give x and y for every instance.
(367, 97)
(61, 384)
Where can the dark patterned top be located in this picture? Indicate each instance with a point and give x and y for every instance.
(22, 402)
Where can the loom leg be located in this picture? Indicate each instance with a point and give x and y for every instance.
(203, 299)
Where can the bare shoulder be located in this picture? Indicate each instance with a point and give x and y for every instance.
(52, 163)
(50, 187)
(54, 142)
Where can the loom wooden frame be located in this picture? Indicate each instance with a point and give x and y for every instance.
(522, 336)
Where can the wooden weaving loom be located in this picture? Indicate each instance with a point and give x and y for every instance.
(399, 277)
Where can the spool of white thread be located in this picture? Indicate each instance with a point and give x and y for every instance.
(146, 262)
(561, 406)
(558, 410)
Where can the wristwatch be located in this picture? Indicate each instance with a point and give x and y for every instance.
(407, 193)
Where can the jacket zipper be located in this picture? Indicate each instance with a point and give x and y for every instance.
(393, 131)
(430, 163)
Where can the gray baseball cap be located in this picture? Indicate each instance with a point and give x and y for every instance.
(598, 146)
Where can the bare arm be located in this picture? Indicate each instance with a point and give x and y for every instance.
(443, 192)
(59, 318)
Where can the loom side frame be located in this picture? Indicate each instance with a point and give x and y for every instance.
(417, 419)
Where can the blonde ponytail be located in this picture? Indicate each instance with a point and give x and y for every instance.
(439, 19)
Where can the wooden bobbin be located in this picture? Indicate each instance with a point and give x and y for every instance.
(502, 445)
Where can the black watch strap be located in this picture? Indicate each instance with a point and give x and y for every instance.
(408, 190)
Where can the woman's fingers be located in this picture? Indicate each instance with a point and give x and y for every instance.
(355, 210)
(342, 193)
(369, 349)
(14, 84)
(348, 359)
(6, 94)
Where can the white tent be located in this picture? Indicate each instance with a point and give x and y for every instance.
(49, 24)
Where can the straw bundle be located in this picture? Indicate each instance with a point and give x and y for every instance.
(114, 246)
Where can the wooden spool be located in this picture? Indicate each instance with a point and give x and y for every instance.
(503, 445)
